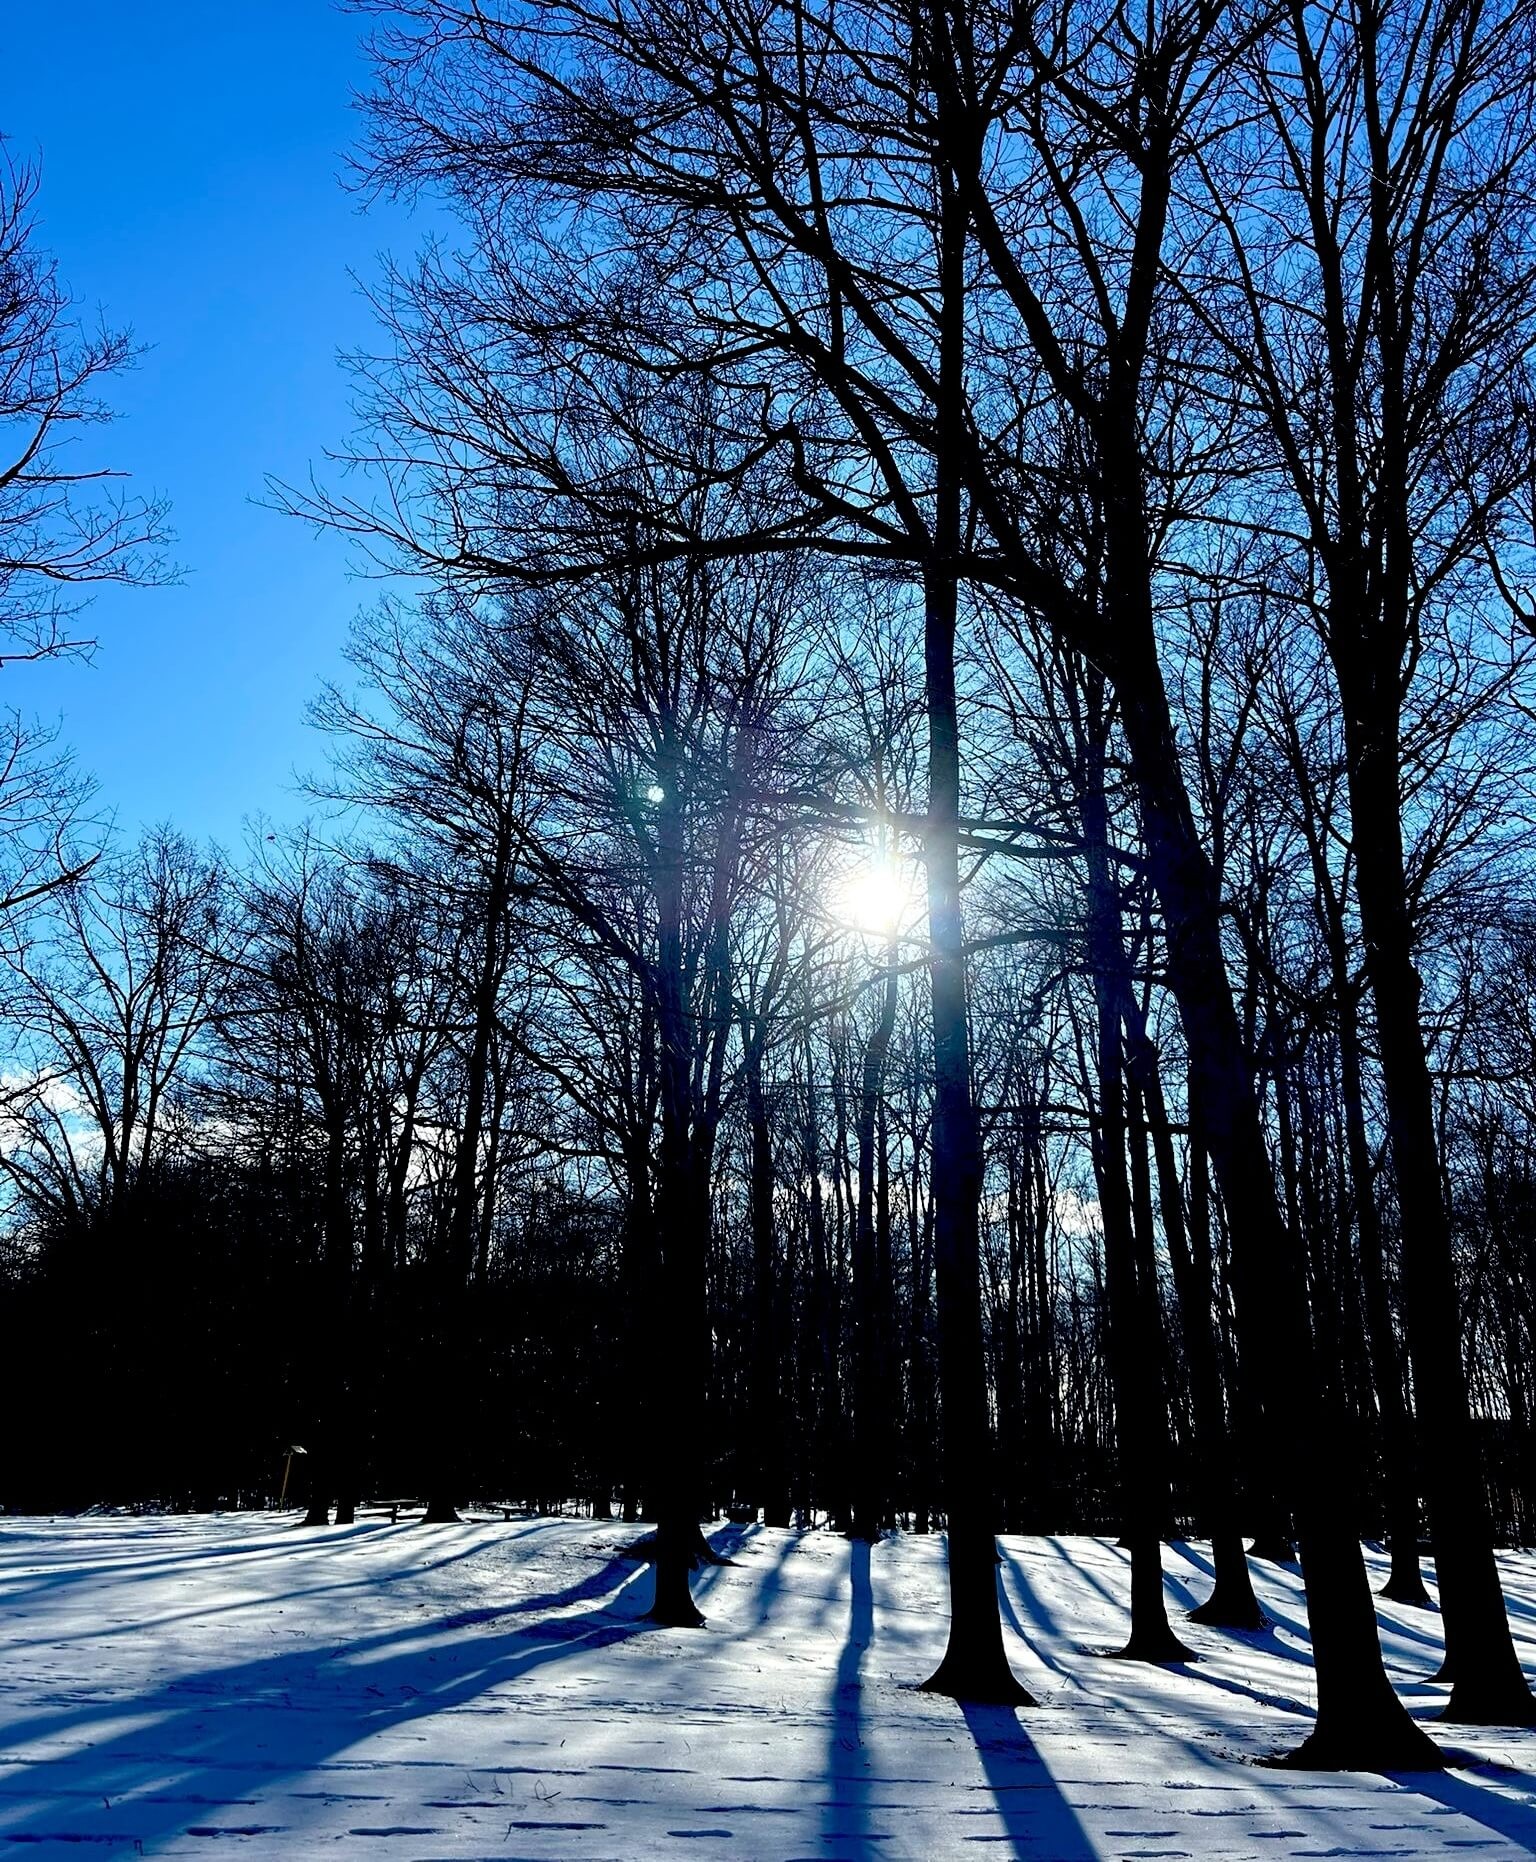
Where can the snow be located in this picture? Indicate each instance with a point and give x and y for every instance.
(170, 1686)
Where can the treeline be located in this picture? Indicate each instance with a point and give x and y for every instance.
(926, 915)
(169, 1307)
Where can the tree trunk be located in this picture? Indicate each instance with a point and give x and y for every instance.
(825, 1424)
(975, 1664)
(333, 1468)
(1405, 1583)
(1487, 1684)
(1361, 1724)
(885, 1274)
(1231, 1604)
(1140, 1412)
(769, 1471)
(682, 1220)
(872, 1290)
(640, 1318)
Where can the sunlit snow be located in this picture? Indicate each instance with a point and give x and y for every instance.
(401, 1691)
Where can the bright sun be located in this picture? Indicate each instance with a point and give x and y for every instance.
(876, 896)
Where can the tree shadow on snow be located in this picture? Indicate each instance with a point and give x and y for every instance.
(1405, 1625)
(124, 1558)
(1118, 1599)
(371, 1580)
(846, 1828)
(1037, 1820)
(210, 1738)
(1463, 1791)
(1263, 1639)
(1519, 1606)
(1039, 1613)
(767, 1593)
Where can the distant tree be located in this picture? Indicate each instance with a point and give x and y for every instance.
(433, 746)
(109, 997)
(307, 1021)
(651, 699)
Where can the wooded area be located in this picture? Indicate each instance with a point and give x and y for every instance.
(921, 910)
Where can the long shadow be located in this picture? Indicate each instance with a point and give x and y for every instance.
(1259, 1639)
(91, 1564)
(1412, 1622)
(1088, 1576)
(773, 1582)
(1434, 1645)
(1267, 1642)
(1039, 1614)
(845, 1814)
(166, 1561)
(1039, 1822)
(220, 1732)
(1517, 1606)
(729, 1539)
(372, 1581)
(610, 1582)
(1282, 1703)
(1513, 1818)
(820, 1604)
(1120, 1601)
(1036, 1605)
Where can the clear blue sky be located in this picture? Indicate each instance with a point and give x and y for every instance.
(190, 157)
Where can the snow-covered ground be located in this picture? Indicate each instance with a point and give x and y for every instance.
(168, 1686)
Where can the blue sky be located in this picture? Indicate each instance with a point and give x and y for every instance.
(190, 158)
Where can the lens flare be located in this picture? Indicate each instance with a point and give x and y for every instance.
(876, 897)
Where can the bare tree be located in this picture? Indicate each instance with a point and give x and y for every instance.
(64, 526)
(1395, 251)
(865, 278)
(110, 994)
